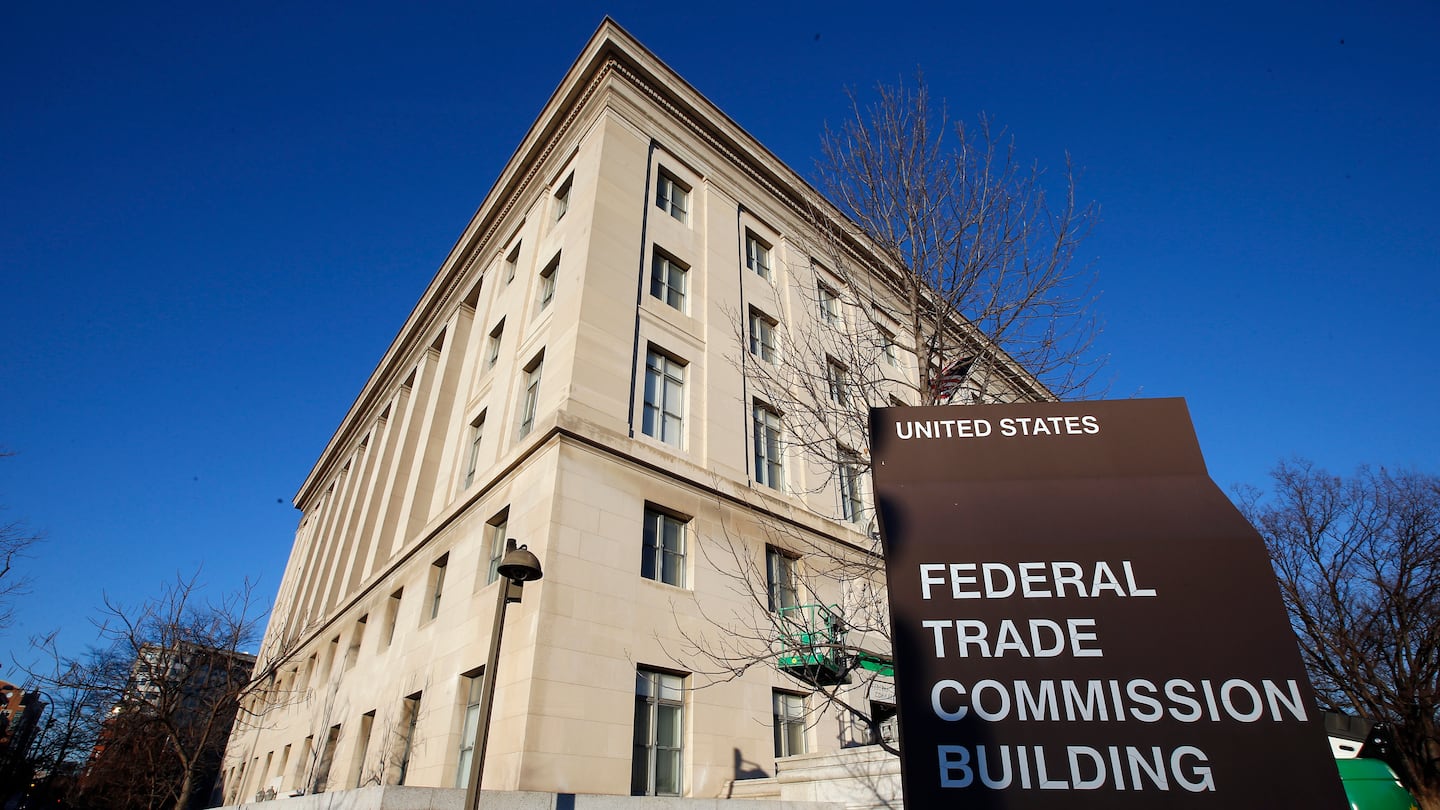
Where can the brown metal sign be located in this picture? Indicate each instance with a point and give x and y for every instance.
(1082, 619)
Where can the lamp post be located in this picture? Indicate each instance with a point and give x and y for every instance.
(517, 567)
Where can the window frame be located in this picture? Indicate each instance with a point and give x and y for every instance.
(547, 284)
(653, 552)
(512, 262)
(763, 342)
(469, 718)
(497, 531)
(664, 381)
(828, 301)
(530, 395)
(657, 692)
(787, 710)
(759, 255)
(835, 381)
(497, 334)
(768, 424)
(472, 453)
(562, 197)
(437, 585)
(847, 481)
(782, 579)
(677, 192)
(665, 271)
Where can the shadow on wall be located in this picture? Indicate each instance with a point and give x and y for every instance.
(744, 769)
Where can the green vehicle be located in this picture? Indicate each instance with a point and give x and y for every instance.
(1371, 785)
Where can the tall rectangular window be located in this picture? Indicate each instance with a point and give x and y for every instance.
(437, 584)
(512, 263)
(668, 278)
(327, 760)
(672, 196)
(664, 411)
(762, 336)
(562, 198)
(780, 578)
(472, 452)
(789, 723)
(492, 354)
(392, 614)
(847, 478)
(757, 255)
(530, 396)
(769, 467)
(547, 282)
(405, 746)
(471, 685)
(835, 379)
(887, 344)
(659, 732)
(499, 529)
(829, 302)
(663, 556)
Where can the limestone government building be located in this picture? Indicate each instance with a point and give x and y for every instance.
(581, 376)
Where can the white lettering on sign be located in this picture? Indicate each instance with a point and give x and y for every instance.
(1030, 580)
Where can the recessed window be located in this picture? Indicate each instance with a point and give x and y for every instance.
(472, 450)
(663, 555)
(512, 262)
(769, 469)
(835, 381)
(789, 711)
(672, 196)
(757, 255)
(664, 411)
(392, 614)
(437, 585)
(762, 336)
(887, 345)
(668, 277)
(781, 579)
(472, 685)
(547, 282)
(847, 479)
(659, 732)
(829, 305)
(562, 198)
(492, 354)
(498, 530)
(409, 720)
(530, 395)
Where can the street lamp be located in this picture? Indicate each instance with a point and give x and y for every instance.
(516, 568)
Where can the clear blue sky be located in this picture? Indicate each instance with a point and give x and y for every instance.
(216, 217)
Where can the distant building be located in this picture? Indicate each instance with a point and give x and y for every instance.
(181, 691)
(19, 718)
(578, 376)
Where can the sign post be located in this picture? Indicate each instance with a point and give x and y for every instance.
(1081, 618)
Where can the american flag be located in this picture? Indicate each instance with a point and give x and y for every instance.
(947, 382)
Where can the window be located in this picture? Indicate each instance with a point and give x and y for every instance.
(437, 584)
(757, 255)
(357, 765)
(472, 455)
(672, 196)
(663, 556)
(530, 397)
(547, 282)
(667, 280)
(512, 263)
(769, 468)
(664, 412)
(659, 725)
(392, 614)
(499, 529)
(327, 760)
(494, 353)
(472, 684)
(762, 336)
(835, 381)
(886, 717)
(352, 654)
(847, 477)
(789, 724)
(562, 198)
(887, 342)
(781, 580)
(829, 305)
(409, 719)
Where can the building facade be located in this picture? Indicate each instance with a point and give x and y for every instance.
(591, 372)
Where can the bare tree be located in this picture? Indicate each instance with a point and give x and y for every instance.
(16, 541)
(176, 669)
(1358, 560)
(938, 268)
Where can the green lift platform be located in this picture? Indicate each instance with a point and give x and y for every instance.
(815, 648)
